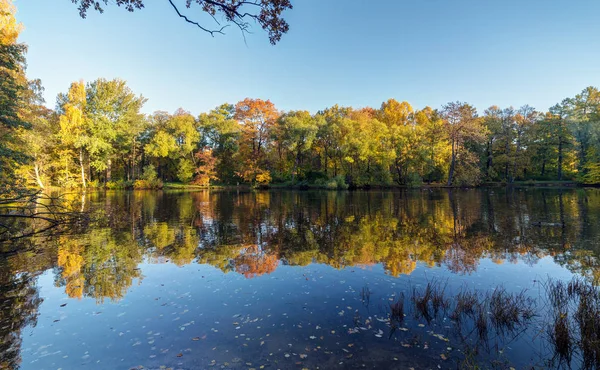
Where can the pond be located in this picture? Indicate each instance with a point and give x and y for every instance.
(294, 279)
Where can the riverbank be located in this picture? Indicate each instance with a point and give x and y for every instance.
(171, 186)
(306, 186)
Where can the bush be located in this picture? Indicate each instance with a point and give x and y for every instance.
(94, 184)
(414, 180)
(337, 183)
(119, 184)
(147, 184)
(149, 173)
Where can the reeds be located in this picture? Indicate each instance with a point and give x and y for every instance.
(574, 325)
(431, 301)
(397, 310)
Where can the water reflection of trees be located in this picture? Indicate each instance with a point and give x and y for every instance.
(19, 302)
(252, 233)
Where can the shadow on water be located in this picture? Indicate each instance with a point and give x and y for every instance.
(258, 234)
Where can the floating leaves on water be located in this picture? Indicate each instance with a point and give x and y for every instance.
(440, 336)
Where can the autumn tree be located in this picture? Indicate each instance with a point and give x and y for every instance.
(39, 141)
(267, 13)
(206, 163)
(74, 135)
(330, 136)
(525, 120)
(257, 118)
(13, 87)
(556, 119)
(115, 121)
(434, 143)
(295, 133)
(463, 127)
(175, 140)
(220, 131)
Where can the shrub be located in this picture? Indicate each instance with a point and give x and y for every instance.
(119, 184)
(337, 182)
(147, 184)
(414, 180)
(93, 184)
(149, 173)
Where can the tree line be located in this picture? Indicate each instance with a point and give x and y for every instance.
(97, 136)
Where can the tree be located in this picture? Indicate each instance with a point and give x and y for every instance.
(114, 117)
(584, 117)
(463, 127)
(295, 133)
(221, 132)
(434, 143)
(559, 131)
(39, 141)
(399, 119)
(330, 137)
(73, 133)
(257, 118)
(205, 170)
(175, 138)
(525, 120)
(13, 88)
(267, 13)
(492, 120)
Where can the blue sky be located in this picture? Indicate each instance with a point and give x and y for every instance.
(351, 52)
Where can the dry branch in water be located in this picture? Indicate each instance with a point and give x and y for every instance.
(30, 213)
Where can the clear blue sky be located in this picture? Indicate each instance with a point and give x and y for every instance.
(351, 52)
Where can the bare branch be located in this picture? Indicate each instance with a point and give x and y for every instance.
(212, 32)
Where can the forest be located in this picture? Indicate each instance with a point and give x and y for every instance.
(97, 136)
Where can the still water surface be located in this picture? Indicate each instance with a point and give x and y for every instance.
(286, 279)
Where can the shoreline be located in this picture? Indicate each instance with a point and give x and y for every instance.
(305, 187)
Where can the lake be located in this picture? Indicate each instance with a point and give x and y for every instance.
(293, 279)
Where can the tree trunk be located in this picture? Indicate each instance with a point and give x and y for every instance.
(560, 158)
(452, 164)
(108, 170)
(489, 162)
(507, 150)
(37, 176)
(543, 168)
(517, 150)
(82, 167)
(133, 160)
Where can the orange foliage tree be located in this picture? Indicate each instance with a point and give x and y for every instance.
(206, 169)
(257, 118)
